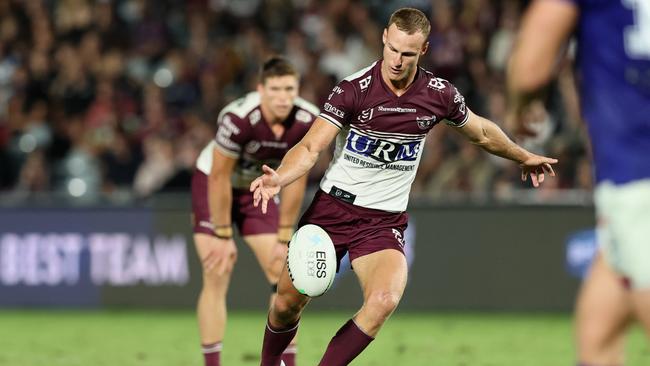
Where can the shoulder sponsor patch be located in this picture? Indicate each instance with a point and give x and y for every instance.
(337, 90)
(333, 110)
(436, 83)
(365, 82)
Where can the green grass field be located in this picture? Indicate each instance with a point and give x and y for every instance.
(130, 338)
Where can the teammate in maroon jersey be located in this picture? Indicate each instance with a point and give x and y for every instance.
(381, 116)
(252, 131)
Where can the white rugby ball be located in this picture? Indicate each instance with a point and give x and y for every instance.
(311, 260)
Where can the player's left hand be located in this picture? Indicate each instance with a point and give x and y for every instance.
(536, 166)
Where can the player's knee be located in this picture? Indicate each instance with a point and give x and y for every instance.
(212, 277)
(383, 303)
(287, 308)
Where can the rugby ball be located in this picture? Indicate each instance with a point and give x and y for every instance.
(311, 260)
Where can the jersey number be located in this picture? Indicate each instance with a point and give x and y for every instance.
(637, 35)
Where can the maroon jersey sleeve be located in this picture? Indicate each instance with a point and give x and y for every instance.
(456, 109)
(339, 107)
(232, 134)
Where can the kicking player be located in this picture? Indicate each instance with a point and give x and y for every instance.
(381, 116)
(254, 130)
(613, 73)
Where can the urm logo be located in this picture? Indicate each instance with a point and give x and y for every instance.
(382, 150)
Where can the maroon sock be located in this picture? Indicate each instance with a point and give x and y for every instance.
(347, 344)
(289, 355)
(275, 342)
(212, 353)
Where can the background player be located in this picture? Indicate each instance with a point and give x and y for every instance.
(254, 130)
(381, 115)
(613, 73)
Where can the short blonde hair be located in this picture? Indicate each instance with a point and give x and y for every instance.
(410, 20)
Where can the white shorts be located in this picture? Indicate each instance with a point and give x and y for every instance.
(623, 229)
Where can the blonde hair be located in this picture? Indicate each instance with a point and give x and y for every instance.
(410, 20)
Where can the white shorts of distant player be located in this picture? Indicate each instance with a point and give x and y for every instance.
(623, 229)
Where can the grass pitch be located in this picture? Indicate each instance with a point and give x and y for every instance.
(142, 338)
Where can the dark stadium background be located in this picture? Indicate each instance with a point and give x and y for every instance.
(105, 106)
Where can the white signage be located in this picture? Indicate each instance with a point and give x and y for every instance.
(116, 259)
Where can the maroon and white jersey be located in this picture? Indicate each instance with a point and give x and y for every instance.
(380, 144)
(243, 134)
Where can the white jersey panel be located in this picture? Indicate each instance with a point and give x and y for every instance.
(378, 168)
(204, 161)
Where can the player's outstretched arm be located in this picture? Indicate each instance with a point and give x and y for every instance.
(544, 33)
(486, 134)
(295, 164)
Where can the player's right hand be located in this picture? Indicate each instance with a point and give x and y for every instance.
(221, 258)
(265, 187)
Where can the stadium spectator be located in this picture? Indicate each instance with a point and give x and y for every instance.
(254, 130)
(82, 56)
(380, 116)
(613, 72)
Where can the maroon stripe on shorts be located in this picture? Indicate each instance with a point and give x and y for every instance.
(355, 229)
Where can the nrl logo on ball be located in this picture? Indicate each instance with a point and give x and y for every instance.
(425, 122)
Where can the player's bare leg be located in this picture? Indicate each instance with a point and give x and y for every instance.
(283, 320)
(641, 303)
(211, 307)
(272, 256)
(383, 277)
(603, 313)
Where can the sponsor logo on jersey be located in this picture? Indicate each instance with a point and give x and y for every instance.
(226, 142)
(425, 122)
(252, 147)
(335, 111)
(275, 144)
(227, 127)
(255, 117)
(399, 237)
(365, 115)
(337, 90)
(382, 150)
(364, 83)
(460, 100)
(303, 116)
(436, 83)
(396, 109)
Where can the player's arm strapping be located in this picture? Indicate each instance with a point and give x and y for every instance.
(295, 164)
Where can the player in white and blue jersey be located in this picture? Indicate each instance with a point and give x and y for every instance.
(613, 75)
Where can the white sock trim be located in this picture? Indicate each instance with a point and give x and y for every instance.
(268, 326)
(212, 348)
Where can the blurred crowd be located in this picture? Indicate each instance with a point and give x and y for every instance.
(117, 98)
